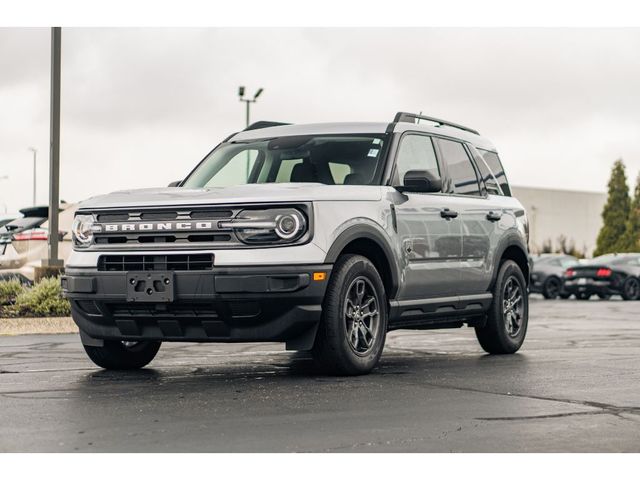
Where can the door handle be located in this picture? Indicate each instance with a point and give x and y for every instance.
(447, 213)
(494, 216)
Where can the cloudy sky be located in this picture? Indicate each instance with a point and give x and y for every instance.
(140, 107)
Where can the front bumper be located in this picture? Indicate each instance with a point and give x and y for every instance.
(226, 304)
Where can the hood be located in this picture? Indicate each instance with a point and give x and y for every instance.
(238, 194)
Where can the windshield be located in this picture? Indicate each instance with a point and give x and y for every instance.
(332, 160)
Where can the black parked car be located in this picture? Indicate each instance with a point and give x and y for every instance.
(613, 274)
(547, 272)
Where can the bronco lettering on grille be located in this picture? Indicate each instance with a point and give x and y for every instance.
(138, 227)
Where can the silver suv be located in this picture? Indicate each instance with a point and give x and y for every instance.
(322, 236)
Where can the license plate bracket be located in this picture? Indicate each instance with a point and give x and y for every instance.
(158, 287)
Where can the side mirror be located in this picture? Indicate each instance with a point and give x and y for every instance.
(175, 184)
(420, 181)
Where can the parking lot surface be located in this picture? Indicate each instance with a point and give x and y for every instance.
(575, 386)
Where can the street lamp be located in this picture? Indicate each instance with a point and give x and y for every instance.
(249, 101)
(35, 155)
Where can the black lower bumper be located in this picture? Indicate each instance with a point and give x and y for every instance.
(240, 304)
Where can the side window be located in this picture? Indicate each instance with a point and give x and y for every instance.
(461, 170)
(416, 152)
(494, 163)
(487, 180)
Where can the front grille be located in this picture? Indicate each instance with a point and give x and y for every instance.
(156, 227)
(125, 263)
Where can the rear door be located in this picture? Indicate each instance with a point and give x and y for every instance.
(479, 228)
(431, 245)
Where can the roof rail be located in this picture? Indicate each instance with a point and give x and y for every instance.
(264, 124)
(411, 117)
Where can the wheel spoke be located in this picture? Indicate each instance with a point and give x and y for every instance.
(354, 335)
(366, 335)
(360, 289)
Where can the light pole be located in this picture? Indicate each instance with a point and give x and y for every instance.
(248, 102)
(52, 264)
(35, 155)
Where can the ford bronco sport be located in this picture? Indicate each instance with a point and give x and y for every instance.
(323, 236)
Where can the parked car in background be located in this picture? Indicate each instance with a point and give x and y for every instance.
(613, 274)
(547, 274)
(6, 219)
(23, 241)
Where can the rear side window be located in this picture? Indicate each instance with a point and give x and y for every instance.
(416, 152)
(461, 171)
(494, 163)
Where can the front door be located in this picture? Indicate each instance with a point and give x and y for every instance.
(431, 240)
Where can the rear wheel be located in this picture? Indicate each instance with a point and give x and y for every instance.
(631, 289)
(551, 288)
(508, 315)
(565, 296)
(583, 296)
(116, 355)
(353, 328)
(604, 296)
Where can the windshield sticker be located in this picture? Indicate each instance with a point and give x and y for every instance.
(373, 152)
(376, 141)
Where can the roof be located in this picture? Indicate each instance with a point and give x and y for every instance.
(339, 128)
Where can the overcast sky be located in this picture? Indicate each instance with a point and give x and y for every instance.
(140, 107)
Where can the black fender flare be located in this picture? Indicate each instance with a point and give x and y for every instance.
(376, 235)
(510, 240)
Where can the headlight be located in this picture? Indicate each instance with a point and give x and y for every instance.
(82, 229)
(274, 226)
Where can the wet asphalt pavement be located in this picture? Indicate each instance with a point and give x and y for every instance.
(574, 386)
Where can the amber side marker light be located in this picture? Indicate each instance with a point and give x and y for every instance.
(319, 276)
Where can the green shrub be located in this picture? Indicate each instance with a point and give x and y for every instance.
(9, 290)
(44, 299)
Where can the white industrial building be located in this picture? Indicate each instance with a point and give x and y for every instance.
(553, 213)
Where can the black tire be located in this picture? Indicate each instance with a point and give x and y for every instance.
(115, 355)
(551, 288)
(604, 296)
(334, 351)
(583, 296)
(631, 289)
(495, 336)
(565, 296)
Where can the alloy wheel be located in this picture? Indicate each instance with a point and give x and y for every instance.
(512, 306)
(361, 315)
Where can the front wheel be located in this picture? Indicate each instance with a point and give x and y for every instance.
(353, 327)
(508, 315)
(116, 355)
